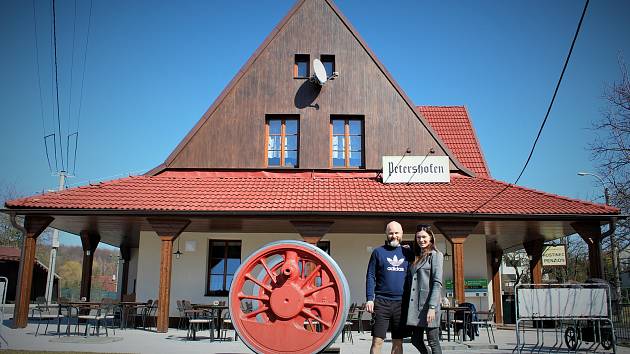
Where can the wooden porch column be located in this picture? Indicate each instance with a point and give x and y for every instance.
(495, 263)
(312, 231)
(34, 226)
(125, 255)
(592, 235)
(534, 250)
(89, 241)
(168, 231)
(456, 233)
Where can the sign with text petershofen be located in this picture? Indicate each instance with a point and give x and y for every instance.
(554, 256)
(416, 169)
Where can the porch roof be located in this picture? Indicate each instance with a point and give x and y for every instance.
(280, 192)
(266, 202)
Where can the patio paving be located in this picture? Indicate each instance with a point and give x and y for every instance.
(142, 341)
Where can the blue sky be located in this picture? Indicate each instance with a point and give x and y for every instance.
(153, 68)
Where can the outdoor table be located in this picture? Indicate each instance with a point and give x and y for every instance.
(217, 312)
(79, 305)
(448, 310)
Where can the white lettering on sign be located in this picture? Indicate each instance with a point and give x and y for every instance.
(416, 169)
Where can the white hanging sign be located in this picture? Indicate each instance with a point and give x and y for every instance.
(416, 169)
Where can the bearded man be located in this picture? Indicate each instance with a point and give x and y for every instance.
(385, 280)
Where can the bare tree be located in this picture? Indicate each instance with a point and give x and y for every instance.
(519, 261)
(611, 148)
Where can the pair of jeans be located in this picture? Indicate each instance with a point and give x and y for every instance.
(433, 337)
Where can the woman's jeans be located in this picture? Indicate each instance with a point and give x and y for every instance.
(433, 336)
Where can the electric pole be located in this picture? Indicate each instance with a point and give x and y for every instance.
(50, 281)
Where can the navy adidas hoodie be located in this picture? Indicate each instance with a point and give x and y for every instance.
(386, 273)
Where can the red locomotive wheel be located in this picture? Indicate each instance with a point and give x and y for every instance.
(289, 297)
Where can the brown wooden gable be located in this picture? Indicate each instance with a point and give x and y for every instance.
(231, 134)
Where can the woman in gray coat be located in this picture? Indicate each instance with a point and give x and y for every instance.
(425, 282)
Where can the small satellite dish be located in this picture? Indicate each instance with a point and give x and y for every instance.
(320, 72)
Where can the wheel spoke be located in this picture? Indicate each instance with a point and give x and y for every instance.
(311, 276)
(327, 285)
(271, 274)
(255, 313)
(315, 303)
(249, 276)
(242, 296)
(315, 317)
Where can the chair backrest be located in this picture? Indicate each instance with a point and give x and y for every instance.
(492, 312)
(187, 305)
(41, 303)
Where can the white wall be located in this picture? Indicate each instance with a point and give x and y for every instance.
(133, 269)
(350, 251)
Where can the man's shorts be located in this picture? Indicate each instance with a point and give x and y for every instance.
(386, 313)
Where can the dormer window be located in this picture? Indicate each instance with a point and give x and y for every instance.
(301, 67)
(282, 142)
(329, 64)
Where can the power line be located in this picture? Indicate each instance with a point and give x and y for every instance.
(57, 83)
(87, 41)
(74, 31)
(542, 126)
(52, 84)
(39, 85)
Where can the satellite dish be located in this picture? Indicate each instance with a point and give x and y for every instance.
(320, 72)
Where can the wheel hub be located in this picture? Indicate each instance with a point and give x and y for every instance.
(287, 302)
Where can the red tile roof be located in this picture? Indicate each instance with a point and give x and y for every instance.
(10, 253)
(306, 192)
(454, 127)
(13, 254)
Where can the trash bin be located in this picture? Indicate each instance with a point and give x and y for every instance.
(509, 309)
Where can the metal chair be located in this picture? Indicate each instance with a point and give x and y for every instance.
(182, 314)
(152, 314)
(487, 323)
(463, 321)
(43, 312)
(227, 325)
(97, 316)
(353, 316)
(196, 319)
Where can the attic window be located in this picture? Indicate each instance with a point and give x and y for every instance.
(301, 67)
(329, 64)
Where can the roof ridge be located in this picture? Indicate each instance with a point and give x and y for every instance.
(441, 106)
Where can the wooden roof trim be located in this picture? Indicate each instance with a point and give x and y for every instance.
(226, 90)
(400, 91)
(259, 51)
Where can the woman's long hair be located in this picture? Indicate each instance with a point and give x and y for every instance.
(420, 253)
